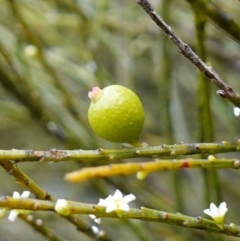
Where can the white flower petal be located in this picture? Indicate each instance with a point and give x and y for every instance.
(118, 194)
(25, 194)
(208, 212)
(102, 202)
(117, 202)
(16, 195)
(97, 220)
(124, 207)
(108, 199)
(111, 207)
(129, 198)
(213, 208)
(236, 111)
(223, 208)
(92, 216)
(13, 215)
(223, 205)
(95, 229)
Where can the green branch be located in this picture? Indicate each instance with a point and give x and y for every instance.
(218, 17)
(38, 225)
(31, 36)
(143, 214)
(86, 156)
(20, 88)
(148, 167)
(40, 193)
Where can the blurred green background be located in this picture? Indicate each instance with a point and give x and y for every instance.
(53, 52)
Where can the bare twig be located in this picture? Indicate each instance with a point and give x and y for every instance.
(86, 156)
(225, 91)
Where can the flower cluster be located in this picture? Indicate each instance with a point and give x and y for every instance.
(15, 212)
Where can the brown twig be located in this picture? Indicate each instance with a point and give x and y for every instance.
(225, 91)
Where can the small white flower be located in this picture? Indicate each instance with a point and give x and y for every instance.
(117, 202)
(31, 51)
(62, 207)
(217, 213)
(212, 158)
(14, 213)
(95, 229)
(236, 111)
(95, 219)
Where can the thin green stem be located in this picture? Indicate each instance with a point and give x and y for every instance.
(20, 88)
(206, 133)
(148, 167)
(39, 226)
(218, 17)
(164, 98)
(164, 77)
(32, 38)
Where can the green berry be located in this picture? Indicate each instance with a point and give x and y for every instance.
(116, 114)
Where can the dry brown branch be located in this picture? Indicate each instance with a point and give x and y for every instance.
(225, 91)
